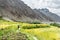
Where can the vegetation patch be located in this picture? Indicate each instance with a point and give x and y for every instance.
(55, 24)
(30, 26)
(26, 31)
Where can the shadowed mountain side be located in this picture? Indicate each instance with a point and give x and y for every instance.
(48, 15)
(16, 10)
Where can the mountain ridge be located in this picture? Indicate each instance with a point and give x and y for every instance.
(17, 10)
(47, 13)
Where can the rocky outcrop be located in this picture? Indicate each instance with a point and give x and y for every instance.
(16, 10)
(52, 17)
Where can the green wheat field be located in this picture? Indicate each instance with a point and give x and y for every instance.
(33, 31)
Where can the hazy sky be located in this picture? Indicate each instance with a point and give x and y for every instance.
(52, 5)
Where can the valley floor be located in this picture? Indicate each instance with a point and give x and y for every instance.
(27, 31)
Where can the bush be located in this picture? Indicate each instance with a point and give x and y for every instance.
(30, 26)
(55, 24)
(0, 17)
(43, 25)
(35, 22)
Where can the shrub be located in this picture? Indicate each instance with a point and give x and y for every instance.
(35, 22)
(55, 24)
(30, 26)
(43, 25)
(0, 17)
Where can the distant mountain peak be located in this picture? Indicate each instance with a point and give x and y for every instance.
(45, 9)
(48, 14)
(16, 10)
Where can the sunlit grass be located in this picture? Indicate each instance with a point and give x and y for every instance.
(41, 31)
(44, 33)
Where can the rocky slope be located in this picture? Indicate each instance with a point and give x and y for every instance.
(49, 15)
(16, 10)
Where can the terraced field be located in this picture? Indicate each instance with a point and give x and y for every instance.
(31, 31)
(45, 33)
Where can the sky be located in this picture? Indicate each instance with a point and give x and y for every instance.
(52, 5)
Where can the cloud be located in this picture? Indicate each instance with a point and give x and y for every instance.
(52, 5)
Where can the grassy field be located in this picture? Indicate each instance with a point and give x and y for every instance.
(32, 31)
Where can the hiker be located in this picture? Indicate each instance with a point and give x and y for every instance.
(19, 27)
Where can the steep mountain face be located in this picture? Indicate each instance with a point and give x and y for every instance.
(51, 16)
(16, 10)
